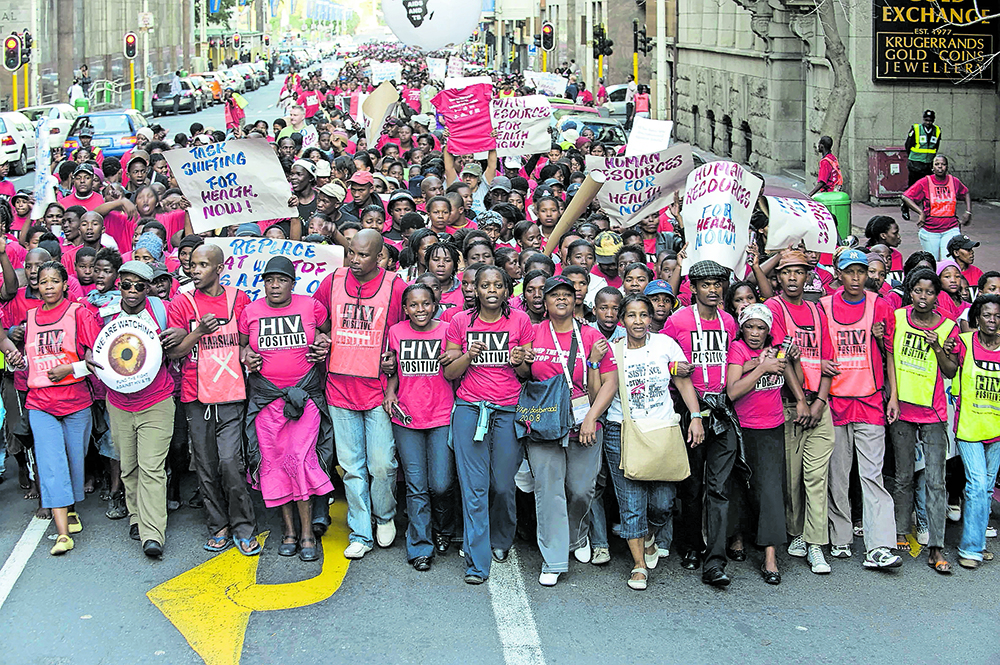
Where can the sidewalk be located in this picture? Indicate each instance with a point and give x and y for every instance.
(984, 229)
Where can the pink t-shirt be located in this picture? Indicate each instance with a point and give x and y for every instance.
(424, 393)
(466, 114)
(549, 362)
(761, 408)
(173, 222)
(282, 335)
(491, 378)
(919, 192)
(63, 400)
(453, 298)
(706, 350)
(913, 413)
(160, 389)
(121, 228)
(91, 202)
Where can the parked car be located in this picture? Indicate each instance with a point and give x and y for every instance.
(616, 101)
(214, 82)
(163, 101)
(114, 131)
(261, 70)
(248, 74)
(61, 117)
(231, 79)
(207, 94)
(606, 130)
(17, 139)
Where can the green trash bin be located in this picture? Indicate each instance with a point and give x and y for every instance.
(139, 98)
(839, 205)
(82, 105)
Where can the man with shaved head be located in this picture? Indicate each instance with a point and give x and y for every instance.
(203, 333)
(431, 186)
(363, 301)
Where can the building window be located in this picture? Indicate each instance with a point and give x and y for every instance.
(727, 136)
(747, 140)
(711, 130)
(694, 125)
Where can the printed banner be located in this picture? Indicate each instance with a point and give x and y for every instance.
(466, 114)
(386, 71)
(546, 83)
(648, 136)
(437, 68)
(246, 258)
(718, 202)
(641, 185)
(128, 354)
(230, 183)
(522, 125)
(792, 221)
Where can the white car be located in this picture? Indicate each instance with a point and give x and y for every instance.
(616, 101)
(17, 140)
(232, 79)
(61, 117)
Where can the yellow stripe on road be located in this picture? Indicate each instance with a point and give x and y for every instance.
(211, 604)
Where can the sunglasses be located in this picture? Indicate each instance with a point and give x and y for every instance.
(138, 287)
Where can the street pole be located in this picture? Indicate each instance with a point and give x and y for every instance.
(147, 96)
(661, 61)
(14, 80)
(27, 77)
(34, 54)
(131, 78)
(635, 50)
(545, 60)
(203, 20)
(589, 55)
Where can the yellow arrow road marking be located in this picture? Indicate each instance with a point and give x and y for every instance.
(211, 603)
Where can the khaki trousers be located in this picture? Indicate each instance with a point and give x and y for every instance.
(807, 472)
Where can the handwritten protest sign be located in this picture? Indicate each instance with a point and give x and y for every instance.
(331, 71)
(44, 189)
(718, 202)
(546, 83)
(386, 71)
(376, 109)
(230, 183)
(792, 221)
(522, 124)
(437, 68)
(456, 67)
(466, 114)
(245, 259)
(641, 185)
(648, 136)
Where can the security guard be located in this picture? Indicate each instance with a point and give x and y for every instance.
(923, 142)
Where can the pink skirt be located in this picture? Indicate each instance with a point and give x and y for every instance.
(289, 466)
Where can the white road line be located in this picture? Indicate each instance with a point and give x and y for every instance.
(18, 559)
(515, 622)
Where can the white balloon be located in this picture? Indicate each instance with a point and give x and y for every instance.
(431, 24)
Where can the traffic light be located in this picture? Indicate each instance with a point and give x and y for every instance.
(131, 45)
(645, 43)
(548, 36)
(538, 40)
(267, 40)
(236, 41)
(12, 52)
(26, 43)
(598, 41)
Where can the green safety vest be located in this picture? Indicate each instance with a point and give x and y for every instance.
(915, 362)
(926, 145)
(978, 383)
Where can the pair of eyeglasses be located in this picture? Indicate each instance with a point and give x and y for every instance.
(138, 287)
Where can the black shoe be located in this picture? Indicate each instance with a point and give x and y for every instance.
(906, 213)
(288, 549)
(442, 543)
(422, 563)
(716, 577)
(770, 577)
(474, 579)
(152, 549)
(133, 532)
(309, 553)
(116, 506)
(196, 501)
(500, 555)
(691, 561)
(736, 555)
(319, 526)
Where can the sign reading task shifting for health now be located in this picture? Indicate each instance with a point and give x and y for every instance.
(246, 257)
(230, 183)
(641, 185)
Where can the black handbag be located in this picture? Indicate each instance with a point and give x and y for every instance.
(544, 412)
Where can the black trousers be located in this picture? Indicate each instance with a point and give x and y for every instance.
(704, 491)
(916, 170)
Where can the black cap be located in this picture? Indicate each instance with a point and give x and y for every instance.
(553, 283)
(280, 265)
(961, 242)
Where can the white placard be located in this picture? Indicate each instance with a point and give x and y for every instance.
(648, 136)
(641, 185)
(522, 124)
(437, 68)
(231, 182)
(718, 202)
(386, 71)
(128, 354)
(546, 83)
(44, 190)
(456, 67)
(792, 221)
(245, 259)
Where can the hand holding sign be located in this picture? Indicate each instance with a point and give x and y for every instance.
(643, 184)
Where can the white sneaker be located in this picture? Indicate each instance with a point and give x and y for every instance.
(663, 552)
(954, 512)
(797, 547)
(840, 551)
(583, 554)
(548, 579)
(817, 561)
(924, 536)
(991, 532)
(385, 534)
(356, 550)
(601, 556)
(651, 559)
(881, 557)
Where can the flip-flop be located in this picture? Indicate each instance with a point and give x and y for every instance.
(941, 566)
(239, 542)
(218, 544)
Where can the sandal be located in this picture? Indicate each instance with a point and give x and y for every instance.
(940, 566)
(74, 527)
(218, 544)
(241, 542)
(987, 555)
(288, 548)
(639, 585)
(63, 544)
(903, 545)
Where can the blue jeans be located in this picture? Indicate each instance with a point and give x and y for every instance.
(367, 453)
(598, 517)
(937, 243)
(981, 464)
(60, 446)
(428, 467)
(486, 471)
(647, 507)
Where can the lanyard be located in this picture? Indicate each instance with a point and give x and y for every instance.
(565, 366)
(704, 362)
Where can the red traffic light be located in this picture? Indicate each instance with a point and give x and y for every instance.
(130, 45)
(11, 43)
(548, 36)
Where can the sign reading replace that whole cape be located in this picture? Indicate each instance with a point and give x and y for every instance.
(431, 24)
